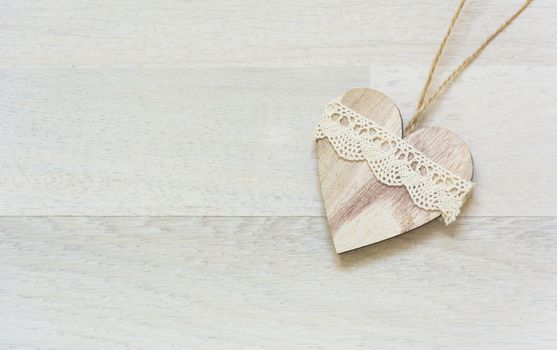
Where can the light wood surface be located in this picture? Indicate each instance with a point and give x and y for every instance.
(360, 209)
(108, 141)
(274, 283)
(204, 112)
(244, 33)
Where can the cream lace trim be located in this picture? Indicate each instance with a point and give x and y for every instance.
(393, 161)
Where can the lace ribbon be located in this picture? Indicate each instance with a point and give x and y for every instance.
(393, 161)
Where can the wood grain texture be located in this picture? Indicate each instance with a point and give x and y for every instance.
(240, 33)
(274, 283)
(209, 108)
(360, 209)
(240, 142)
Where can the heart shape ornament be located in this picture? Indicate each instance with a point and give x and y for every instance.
(365, 199)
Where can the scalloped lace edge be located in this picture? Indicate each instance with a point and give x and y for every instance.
(393, 161)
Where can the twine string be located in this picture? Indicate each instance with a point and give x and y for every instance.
(425, 101)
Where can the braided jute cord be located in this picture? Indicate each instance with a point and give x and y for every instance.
(424, 102)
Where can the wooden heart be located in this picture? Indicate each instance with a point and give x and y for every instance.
(360, 209)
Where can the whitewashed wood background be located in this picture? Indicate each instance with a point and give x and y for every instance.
(159, 187)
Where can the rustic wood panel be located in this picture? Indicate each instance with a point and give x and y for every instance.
(241, 141)
(242, 33)
(274, 283)
(208, 108)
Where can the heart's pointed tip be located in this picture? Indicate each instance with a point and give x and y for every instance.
(341, 250)
(342, 246)
(339, 247)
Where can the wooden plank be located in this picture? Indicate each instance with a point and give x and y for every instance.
(274, 283)
(163, 142)
(241, 141)
(244, 33)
